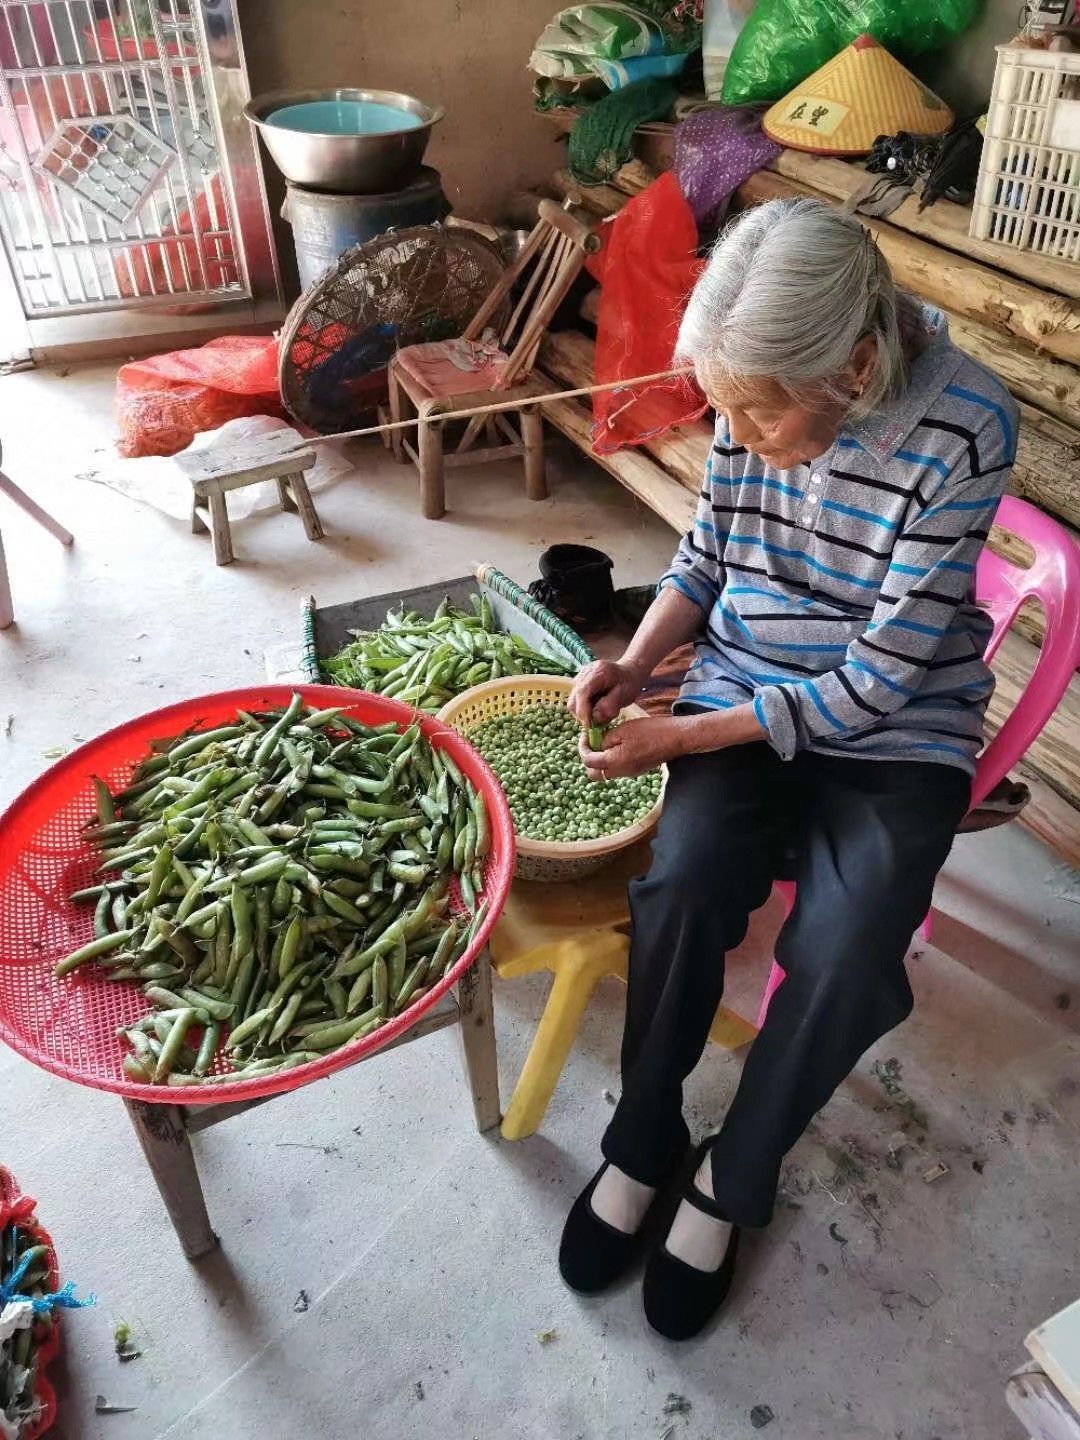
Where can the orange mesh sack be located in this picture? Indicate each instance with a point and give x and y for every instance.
(163, 402)
(646, 268)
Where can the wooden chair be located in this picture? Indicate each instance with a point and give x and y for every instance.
(426, 378)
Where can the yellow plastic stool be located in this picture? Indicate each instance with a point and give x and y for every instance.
(578, 932)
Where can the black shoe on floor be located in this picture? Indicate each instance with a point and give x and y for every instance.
(680, 1299)
(594, 1254)
(576, 585)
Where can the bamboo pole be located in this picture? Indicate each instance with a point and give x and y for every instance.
(1049, 322)
(541, 397)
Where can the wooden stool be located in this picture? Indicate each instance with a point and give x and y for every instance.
(213, 472)
(164, 1131)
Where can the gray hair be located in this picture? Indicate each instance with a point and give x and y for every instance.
(789, 289)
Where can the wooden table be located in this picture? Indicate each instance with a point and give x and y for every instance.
(165, 1131)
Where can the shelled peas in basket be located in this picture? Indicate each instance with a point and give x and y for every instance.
(534, 753)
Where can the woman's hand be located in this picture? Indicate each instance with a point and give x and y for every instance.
(602, 689)
(634, 747)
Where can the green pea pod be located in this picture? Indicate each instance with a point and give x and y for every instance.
(438, 961)
(409, 985)
(396, 963)
(137, 1070)
(222, 947)
(342, 1031)
(201, 741)
(216, 1009)
(344, 908)
(172, 1046)
(360, 991)
(104, 945)
(379, 984)
(283, 1024)
(249, 1027)
(105, 808)
(262, 924)
(338, 997)
(468, 891)
(290, 945)
(103, 915)
(207, 1049)
(483, 824)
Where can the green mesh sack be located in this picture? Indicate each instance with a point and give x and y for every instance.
(784, 41)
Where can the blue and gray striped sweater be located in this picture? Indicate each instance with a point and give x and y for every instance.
(838, 596)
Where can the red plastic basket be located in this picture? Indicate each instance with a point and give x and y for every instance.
(17, 1208)
(69, 1026)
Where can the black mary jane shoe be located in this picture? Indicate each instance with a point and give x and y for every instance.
(680, 1299)
(594, 1254)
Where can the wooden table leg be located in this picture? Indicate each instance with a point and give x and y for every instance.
(219, 528)
(430, 455)
(198, 524)
(478, 1041)
(532, 435)
(164, 1139)
(287, 502)
(34, 510)
(7, 609)
(304, 503)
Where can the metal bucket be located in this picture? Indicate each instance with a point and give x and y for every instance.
(342, 162)
(325, 226)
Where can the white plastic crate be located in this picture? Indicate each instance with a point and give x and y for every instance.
(1028, 194)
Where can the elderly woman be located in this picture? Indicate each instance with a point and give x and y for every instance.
(829, 723)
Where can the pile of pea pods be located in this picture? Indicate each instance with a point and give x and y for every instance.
(279, 887)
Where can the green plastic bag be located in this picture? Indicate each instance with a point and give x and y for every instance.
(784, 41)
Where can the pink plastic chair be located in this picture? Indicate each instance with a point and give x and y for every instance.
(1001, 587)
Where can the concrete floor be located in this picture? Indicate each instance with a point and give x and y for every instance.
(386, 1272)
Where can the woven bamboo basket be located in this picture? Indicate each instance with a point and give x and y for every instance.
(548, 860)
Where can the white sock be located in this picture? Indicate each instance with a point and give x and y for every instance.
(695, 1238)
(620, 1201)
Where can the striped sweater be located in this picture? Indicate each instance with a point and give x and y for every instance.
(838, 596)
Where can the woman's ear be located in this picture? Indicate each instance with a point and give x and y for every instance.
(861, 363)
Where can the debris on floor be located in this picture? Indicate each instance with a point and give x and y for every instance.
(935, 1172)
(677, 1404)
(888, 1073)
(122, 1342)
(302, 1302)
(104, 1406)
(545, 1337)
(761, 1415)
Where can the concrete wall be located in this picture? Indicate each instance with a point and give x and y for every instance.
(468, 55)
(964, 74)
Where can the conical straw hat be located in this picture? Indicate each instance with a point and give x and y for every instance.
(860, 94)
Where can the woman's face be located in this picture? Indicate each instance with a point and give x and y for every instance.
(776, 428)
(771, 424)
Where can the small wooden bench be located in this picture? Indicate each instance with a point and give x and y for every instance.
(213, 472)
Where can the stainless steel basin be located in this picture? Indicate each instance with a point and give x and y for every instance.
(346, 164)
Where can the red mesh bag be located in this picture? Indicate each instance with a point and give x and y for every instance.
(646, 268)
(163, 402)
(18, 1209)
